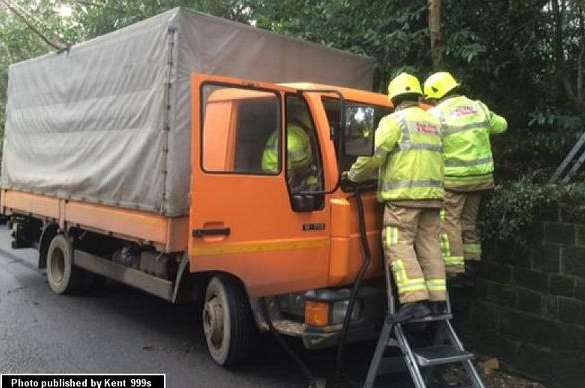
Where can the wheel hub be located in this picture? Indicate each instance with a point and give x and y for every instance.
(58, 266)
(213, 321)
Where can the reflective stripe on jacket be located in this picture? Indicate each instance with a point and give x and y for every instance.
(407, 157)
(466, 127)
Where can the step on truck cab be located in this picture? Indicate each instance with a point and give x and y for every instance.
(252, 232)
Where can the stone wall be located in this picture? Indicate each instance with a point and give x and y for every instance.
(528, 305)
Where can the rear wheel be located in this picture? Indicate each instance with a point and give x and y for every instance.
(62, 275)
(228, 324)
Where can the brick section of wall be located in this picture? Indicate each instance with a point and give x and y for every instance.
(528, 305)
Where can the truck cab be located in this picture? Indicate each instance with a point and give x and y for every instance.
(294, 244)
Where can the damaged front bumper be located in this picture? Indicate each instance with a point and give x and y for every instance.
(287, 313)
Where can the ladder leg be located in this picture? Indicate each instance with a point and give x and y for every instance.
(448, 303)
(473, 375)
(467, 365)
(453, 336)
(389, 293)
(409, 358)
(378, 354)
(568, 159)
(574, 169)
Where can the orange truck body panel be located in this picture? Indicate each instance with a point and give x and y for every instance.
(167, 234)
(268, 247)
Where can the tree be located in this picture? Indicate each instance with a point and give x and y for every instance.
(395, 33)
(568, 25)
(29, 21)
(436, 32)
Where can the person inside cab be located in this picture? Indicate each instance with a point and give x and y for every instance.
(301, 169)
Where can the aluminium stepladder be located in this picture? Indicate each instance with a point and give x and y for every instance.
(446, 347)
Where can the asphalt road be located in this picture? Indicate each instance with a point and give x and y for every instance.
(124, 330)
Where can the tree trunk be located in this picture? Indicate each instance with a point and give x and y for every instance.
(580, 91)
(571, 90)
(436, 32)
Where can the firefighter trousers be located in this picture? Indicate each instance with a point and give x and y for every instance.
(411, 248)
(460, 238)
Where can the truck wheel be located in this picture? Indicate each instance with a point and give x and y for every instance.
(63, 276)
(228, 324)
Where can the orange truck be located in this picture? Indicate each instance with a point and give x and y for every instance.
(130, 165)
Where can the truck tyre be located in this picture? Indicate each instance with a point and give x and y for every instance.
(228, 325)
(63, 276)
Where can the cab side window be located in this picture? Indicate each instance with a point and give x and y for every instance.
(238, 123)
(304, 168)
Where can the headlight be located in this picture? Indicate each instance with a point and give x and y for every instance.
(340, 310)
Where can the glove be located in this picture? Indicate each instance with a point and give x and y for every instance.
(346, 183)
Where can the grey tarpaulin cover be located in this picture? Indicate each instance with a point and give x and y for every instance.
(92, 124)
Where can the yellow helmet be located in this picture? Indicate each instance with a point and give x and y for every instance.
(404, 83)
(439, 84)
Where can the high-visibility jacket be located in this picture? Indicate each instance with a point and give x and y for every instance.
(407, 156)
(466, 126)
(299, 154)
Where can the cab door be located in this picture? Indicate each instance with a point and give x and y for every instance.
(242, 219)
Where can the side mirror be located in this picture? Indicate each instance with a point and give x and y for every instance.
(303, 203)
(358, 132)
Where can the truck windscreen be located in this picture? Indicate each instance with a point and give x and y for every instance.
(360, 120)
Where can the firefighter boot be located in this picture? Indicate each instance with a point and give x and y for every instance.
(415, 310)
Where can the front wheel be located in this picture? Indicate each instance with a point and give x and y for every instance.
(228, 324)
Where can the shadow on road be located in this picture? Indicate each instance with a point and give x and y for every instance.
(181, 323)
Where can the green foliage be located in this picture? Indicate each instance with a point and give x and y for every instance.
(502, 51)
(509, 209)
(99, 18)
(465, 45)
(548, 117)
(508, 212)
(393, 32)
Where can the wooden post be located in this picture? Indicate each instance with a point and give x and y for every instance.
(436, 32)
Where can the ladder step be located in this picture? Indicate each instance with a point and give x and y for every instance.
(431, 318)
(440, 355)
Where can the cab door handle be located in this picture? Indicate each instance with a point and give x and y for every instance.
(199, 233)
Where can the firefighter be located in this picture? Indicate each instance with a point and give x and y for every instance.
(466, 126)
(300, 167)
(409, 166)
